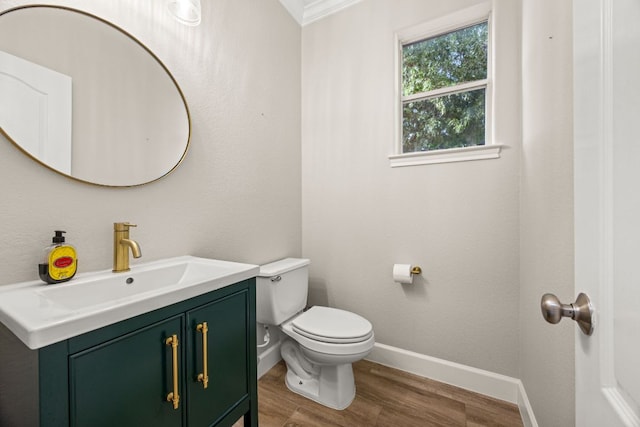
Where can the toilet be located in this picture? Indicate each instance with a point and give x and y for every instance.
(321, 343)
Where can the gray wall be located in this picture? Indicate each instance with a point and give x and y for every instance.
(546, 229)
(458, 221)
(236, 196)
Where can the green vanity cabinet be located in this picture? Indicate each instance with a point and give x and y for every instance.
(226, 362)
(121, 375)
(120, 382)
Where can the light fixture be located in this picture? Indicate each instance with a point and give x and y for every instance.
(187, 12)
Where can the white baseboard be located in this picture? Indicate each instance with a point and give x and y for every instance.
(525, 407)
(477, 380)
(268, 359)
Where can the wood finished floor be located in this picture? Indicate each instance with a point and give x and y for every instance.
(385, 397)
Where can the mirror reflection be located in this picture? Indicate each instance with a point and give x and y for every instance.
(86, 99)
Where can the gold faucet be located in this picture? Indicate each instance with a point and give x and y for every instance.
(121, 245)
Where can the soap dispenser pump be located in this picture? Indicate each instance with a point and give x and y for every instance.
(60, 260)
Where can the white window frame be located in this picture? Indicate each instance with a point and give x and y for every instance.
(449, 23)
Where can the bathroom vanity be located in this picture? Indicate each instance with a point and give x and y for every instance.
(191, 362)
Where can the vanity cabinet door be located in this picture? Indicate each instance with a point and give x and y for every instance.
(227, 341)
(125, 381)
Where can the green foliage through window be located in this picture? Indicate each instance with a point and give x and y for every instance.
(452, 116)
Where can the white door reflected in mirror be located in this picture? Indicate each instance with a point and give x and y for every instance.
(35, 109)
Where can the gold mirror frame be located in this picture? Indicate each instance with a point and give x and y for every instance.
(156, 60)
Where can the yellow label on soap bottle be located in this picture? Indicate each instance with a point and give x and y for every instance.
(62, 262)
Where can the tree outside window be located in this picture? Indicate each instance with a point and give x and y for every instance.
(444, 85)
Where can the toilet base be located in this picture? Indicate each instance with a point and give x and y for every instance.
(333, 387)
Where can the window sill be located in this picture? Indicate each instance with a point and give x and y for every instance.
(463, 154)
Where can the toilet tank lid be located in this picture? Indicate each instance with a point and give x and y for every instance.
(282, 266)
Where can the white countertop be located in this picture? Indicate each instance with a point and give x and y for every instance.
(41, 314)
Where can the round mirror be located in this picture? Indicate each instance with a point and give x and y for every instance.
(84, 98)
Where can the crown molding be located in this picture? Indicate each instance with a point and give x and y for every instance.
(295, 9)
(311, 12)
(322, 8)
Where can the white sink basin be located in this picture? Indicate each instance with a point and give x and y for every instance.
(41, 314)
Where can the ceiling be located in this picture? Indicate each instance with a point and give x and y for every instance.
(307, 11)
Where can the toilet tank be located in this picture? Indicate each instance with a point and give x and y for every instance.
(281, 290)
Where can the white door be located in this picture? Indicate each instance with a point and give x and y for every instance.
(607, 208)
(36, 110)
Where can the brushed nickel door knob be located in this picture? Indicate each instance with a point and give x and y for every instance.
(581, 311)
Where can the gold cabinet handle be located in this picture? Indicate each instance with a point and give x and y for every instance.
(204, 376)
(173, 396)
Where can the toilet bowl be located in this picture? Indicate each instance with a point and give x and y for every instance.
(331, 340)
(321, 343)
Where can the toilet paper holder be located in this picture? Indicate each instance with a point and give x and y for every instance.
(404, 273)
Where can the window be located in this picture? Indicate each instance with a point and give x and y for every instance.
(444, 81)
(445, 97)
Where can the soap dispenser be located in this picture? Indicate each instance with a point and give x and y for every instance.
(60, 260)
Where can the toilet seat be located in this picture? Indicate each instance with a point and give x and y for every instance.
(332, 325)
(331, 331)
